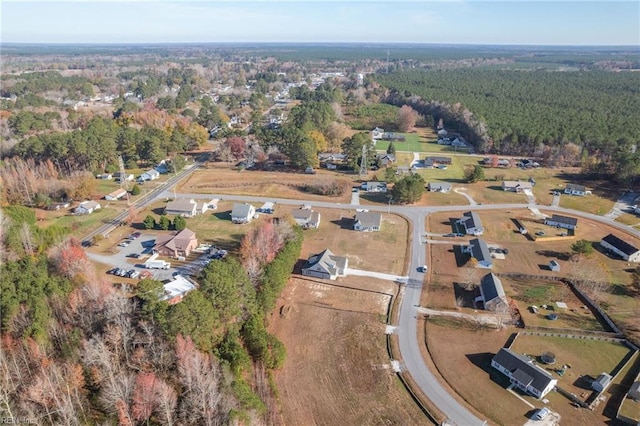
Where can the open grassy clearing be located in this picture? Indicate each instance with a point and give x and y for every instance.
(80, 225)
(337, 367)
(222, 180)
(590, 203)
(628, 219)
(382, 251)
(586, 358)
(465, 363)
(536, 293)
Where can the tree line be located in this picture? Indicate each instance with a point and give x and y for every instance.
(532, 113)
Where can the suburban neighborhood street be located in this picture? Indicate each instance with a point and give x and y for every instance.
(406, 328)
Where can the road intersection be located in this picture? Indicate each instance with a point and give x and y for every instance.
(407, 323)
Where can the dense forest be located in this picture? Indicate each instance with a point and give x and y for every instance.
(78, 350)
(530, 113)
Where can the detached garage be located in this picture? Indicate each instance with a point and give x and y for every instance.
(620, 247)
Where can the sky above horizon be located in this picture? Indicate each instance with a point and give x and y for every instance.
(542, 22)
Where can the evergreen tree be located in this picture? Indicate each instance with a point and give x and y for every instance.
(149, 222)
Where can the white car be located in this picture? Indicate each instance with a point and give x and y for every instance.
(424, 268)
(541, 414)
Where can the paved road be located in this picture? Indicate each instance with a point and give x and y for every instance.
(407, 322)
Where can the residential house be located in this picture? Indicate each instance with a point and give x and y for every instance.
(523, 373)
(442, 132)
(471, 223)
(554, 266)
(386, 159)
(439, 187)
(374, 186)
(122, 177)
(242, 213)
(620, 247)
(377, 133)
(516, 186)
(87, 207)
(602, 382)
(573, 189)
(324, 157)
(492, 294)
(480, 252)
(325, 265)
(152, 174)
(306, 218)
(176, 288)
(367, 221)
(459, 142)
(181, 207)
(560, 221)
(437, 161)
(104, 176)
(116, 195)
(393, 137)
(177, 244)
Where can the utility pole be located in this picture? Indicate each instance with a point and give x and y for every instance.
(387, 61)
(363, 161)
(123, 177)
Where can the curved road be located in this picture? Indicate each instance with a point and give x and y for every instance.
(407, 321)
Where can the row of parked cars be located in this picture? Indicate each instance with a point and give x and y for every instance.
(129, 239)
(131, 273)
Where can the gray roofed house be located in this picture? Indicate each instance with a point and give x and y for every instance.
(325, 265)
(602, 382)
(471, 223)
(573, 189)
(386, 159)
(620, 247)
(87, 207)
(374, 186)
(516, 186)
(439, 187)
(523, 373)
(480, 252)
(560, 221)
(242, 213)
(492, 294)
(306, 218)
(181, 207)
(367, 221)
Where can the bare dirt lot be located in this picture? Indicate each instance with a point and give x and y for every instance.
(337, 368)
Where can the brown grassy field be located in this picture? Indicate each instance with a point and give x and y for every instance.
(220, 179)
(337, 368)
(382, 251)
(465, 361)
(586, 357)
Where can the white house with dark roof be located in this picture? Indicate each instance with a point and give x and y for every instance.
(560, 221)
(439, 187)
(367, 221)
(326, 265)
(492, 294)
(573, 189)
(471, 223)
(377, 133)
(242, 213)
(625, 250)
(523, 373)
(479, 250)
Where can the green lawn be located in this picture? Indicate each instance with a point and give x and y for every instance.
(628, 219)
(590, 203)
(82, 224)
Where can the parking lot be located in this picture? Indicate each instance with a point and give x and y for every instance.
(133, 255)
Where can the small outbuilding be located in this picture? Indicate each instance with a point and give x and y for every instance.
(554, 266)
(634, 391)
(602, 382)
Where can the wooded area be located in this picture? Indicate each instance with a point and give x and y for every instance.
(533, 112)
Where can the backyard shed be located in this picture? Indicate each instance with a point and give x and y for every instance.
(601, 383)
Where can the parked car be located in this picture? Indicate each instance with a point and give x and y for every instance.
(134, 274)
(134, 255)
(124, 243)
(540, 233)
(424, 268)
(112, 271)
(541, 413)
(136, 235)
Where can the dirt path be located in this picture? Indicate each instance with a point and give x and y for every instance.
(462, 191)
(484, 319)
